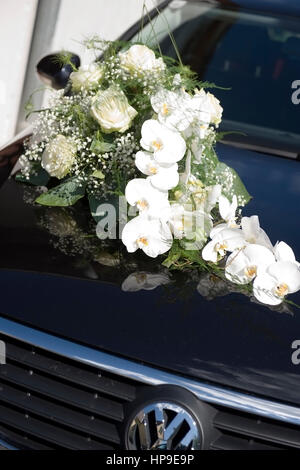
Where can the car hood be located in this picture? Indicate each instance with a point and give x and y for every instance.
(191, 325)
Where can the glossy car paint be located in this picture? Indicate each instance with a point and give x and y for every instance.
(229, 340)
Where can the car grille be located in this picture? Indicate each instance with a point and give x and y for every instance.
(50, 402)
(244, 431)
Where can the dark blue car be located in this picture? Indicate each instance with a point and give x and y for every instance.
(86, 365)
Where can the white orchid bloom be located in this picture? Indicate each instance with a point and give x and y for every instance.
(243, 265)
(254, 233)
(144, 281)
(226, 240)
(162, 178)
(168, 147)
(196, 132)
(278, 280)
(170, 107)
(148, 200)
(251, 229)
(213, 195)
(181, 220)
(200, 108)
(153, 236)
(283, 252)
(227, 211)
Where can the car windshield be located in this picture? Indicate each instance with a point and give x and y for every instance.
(256, 55)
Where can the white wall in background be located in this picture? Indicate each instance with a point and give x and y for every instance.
(16, 26)
(81, 19)
(74, 21)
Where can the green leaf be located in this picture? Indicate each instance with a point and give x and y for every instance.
(213, 85)
(98, 174)
(194, 256)
(66, 194)
(99, 146)
(224, 173)
(173, 256)
(181, 257)
(95, 202)
(40, 178)
(221, 135)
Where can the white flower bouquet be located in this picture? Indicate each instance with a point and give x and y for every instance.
(139, 126)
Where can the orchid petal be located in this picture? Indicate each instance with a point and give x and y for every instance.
(145, 162)
(242, 265)
(168, 147)
(153, 236)
(165, 178)
(284, 252)
(286, 272)
(171, 109)
(228, 239)
(162, 178)
(218, 228)
(227, 210)
(254, 233)
(140, 193)
(209, 253)
(263, 290)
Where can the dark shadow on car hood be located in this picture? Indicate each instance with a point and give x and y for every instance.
(226, 339)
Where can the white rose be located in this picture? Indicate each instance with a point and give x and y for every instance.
(140, 58)
(87, 76)
(207, 103)
(59, 156)
(112, 110)
(216, 109)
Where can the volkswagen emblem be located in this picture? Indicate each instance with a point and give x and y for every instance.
(163, 425)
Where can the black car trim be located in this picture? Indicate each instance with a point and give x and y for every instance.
(148, 375)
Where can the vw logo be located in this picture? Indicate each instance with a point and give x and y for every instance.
(163, 425)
